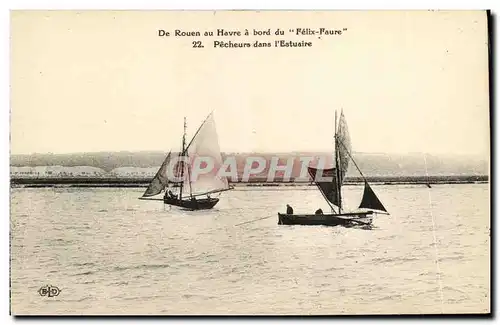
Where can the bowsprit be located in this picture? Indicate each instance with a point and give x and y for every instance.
(49, 291)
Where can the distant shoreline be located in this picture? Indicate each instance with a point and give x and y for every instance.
(143, 182)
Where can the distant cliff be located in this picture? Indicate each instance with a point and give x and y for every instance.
(370, 164)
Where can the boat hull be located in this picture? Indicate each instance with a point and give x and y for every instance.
(199, 204)
(343, 219)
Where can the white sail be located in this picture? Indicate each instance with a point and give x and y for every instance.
(204, 146)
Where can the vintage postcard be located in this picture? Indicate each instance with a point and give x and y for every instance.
(250, 162)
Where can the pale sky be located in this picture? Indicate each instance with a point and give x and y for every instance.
(104, 81)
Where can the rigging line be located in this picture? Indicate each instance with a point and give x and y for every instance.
(359, 170)
(350, 156)
(239, 224)
(211, 192)
(197, 131)
(438, 269)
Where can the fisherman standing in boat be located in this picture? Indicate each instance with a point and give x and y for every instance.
(289, 209)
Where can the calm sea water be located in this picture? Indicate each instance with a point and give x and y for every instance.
(111, 253)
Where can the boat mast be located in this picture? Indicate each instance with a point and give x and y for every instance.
(182, 155)
(337, 169)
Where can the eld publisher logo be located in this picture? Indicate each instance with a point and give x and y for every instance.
(49, 291)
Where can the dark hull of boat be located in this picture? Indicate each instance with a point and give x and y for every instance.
(199, 204)
(344, 219)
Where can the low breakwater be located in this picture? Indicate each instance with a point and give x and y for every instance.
(143, 182)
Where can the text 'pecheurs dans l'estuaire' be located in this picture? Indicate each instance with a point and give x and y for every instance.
(231, 37)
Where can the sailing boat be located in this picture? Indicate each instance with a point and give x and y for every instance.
(332, 189)
(184, 191)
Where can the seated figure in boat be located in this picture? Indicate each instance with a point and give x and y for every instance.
(172, 195)
(289, 209)
(319, 211)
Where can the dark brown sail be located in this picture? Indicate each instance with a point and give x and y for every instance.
(370, 200)
(160, 180)
(328, 188)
